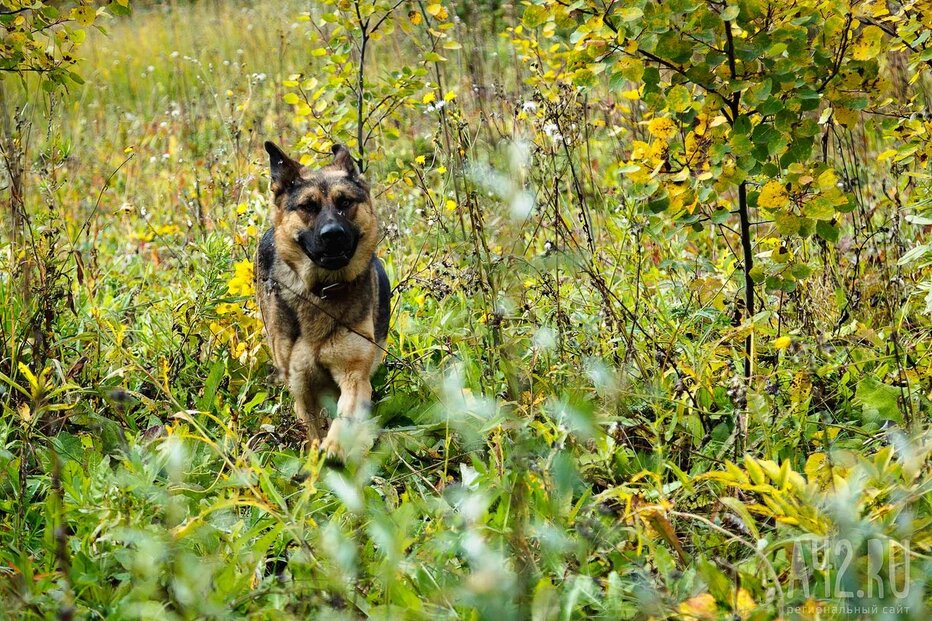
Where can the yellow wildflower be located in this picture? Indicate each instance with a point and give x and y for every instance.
(242, 281)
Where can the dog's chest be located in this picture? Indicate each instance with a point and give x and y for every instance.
(318, 317)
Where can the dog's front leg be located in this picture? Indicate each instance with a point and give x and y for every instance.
(352, 407)
(302, 372)
(308, 409)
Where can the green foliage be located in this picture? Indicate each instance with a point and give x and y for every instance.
(746, 94)
(42, 38)
(566, 429)
(340, 100)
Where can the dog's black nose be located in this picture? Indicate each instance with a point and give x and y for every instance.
(332, 234)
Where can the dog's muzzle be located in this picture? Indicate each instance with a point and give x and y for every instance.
(331, 247)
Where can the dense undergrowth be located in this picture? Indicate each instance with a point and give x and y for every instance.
(580, 419)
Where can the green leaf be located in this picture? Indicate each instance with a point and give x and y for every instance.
(678, 98)
(659, 202)
(730, 13)
(827, 231)
(119, 8)
(913, 254)
(800, 271)
(719, 584)
(787, 224)
(776, 49)
(534, 15)
(819, 208)
(742, 125)
(720, 216)
(210, 386)
(632, 69)
(878, 400)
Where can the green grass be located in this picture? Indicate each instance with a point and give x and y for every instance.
(560, 402)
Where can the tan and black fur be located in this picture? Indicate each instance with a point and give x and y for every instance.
(323, 294)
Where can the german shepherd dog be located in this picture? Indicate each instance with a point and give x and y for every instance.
(323, 294)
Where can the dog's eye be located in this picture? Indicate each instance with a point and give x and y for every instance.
(343, 204)
(311, 207)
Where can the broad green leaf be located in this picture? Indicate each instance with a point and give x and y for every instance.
(878, 400)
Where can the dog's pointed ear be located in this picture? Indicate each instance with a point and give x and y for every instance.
(342, 160)
(283, 169)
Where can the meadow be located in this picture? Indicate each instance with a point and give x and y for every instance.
(660, 334)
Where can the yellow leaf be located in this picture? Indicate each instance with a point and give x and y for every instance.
(665, 529)
(771, 468)
(827, 180)
(773, 195)
(744, 604)
(847, 117)
(814, 466)
(754, 470)
(718, 120)
(885, 155)
(868, 44)
(735, 473)
(699, 607)
(662, 127)
(84, 15)
(437, 10)
(27, 373)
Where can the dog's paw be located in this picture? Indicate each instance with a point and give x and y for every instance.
(332, 446)
(348, 439)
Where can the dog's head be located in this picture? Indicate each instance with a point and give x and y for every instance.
(324, 220)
